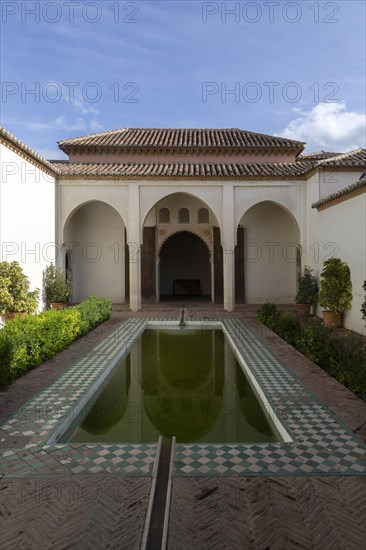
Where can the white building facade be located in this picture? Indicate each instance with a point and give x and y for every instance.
(223, 215)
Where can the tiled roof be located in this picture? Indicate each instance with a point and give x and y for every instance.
(320, 155)
(352, 158)
(222, 170)
(342, 192)
(205, 138)
(27, 152)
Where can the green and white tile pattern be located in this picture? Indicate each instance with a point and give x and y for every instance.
(26, 435)
(321, 444)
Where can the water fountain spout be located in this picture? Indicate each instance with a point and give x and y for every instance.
(182, 317)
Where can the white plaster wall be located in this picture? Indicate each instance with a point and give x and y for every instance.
(285, 193)
(27, 215)
(96, 232)
(339, 231)
(271, 237)
(76, 192)
(331, 182)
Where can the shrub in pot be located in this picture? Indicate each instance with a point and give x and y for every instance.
(15, 296)
(56, 289)
(335, 294)
(363, 306)
(307, 292)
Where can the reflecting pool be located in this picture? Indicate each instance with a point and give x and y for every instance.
(175, 382)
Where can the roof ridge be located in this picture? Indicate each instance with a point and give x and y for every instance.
(93, 134)
(180, 137)
(342, 156)
(25, 148)
(361, 182)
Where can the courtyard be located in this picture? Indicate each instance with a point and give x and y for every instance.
(229, 496)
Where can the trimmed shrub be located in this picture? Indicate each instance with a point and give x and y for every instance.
(363, 306)
(26, 342)
(335, 286)
(94, 311)
(345, 360)
(266, 311)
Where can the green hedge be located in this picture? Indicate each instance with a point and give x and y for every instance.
(26, 342)
(344, 359)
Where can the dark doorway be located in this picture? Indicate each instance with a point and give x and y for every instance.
(185, 269)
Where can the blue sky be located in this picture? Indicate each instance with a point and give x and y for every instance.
(294, 68)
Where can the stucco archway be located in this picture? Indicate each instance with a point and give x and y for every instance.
(94, 244)
(173, 214)
(271, 253)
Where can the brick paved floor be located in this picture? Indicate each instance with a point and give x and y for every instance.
(223, 513)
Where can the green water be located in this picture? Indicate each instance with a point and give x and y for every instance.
(180, 382)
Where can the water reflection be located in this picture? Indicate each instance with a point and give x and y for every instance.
(185, 383)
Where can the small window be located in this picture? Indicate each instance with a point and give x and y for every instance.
(164, 215)
(184, 215)
(203, 215)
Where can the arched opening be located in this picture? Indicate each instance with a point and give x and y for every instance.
(187, 213)
(203, 215)
(270, 253)
(184, 216)
(185, 268)
(164, 215)
(94, 240)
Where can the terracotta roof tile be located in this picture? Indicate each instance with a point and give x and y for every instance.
(320, 155)
(342, 192)
(206, 138)
(27, 152)
(222, 170)
(352, 158)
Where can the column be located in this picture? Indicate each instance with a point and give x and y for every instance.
(228, 246)
(134, 244)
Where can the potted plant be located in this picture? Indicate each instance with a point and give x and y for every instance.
(363, 305)
(15, 297)
(335, 294)
(307, 292)
(56, 288)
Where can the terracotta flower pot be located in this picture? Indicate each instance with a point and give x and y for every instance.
(331, 319)
(13, 315)
(303, 310)
(58, 305)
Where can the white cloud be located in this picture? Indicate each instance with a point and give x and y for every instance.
(61, 123)
(80, 104)
(95, 126)
(328, 126)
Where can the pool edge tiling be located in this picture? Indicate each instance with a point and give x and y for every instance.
(29, 436)
(321, 444)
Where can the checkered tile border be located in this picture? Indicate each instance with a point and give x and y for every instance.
(322, 444)
(25, 435)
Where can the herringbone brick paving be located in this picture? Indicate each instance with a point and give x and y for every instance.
(79, 513)
(268, 514)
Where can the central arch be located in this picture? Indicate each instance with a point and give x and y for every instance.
(184, 267)
(198, 256)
